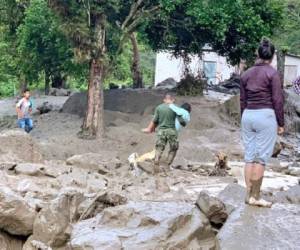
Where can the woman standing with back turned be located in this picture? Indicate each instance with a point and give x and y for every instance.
(262, 118)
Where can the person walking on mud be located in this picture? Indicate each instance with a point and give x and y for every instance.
(24, 109)
(262, 118)
(164, 118)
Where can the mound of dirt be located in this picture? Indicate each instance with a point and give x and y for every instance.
(127, 101)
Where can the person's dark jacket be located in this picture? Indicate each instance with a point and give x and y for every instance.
(261, 88)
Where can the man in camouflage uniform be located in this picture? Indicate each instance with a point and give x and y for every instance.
(164, 119)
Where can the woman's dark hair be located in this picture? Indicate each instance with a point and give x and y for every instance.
(187, 107)
(25, 90)
(266, 50)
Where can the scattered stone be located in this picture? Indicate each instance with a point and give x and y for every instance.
(27, 185)
(276, 166)
(291, 196)
(102, 201)
(213, 208)
(145, 225)
(59, 92)
(31, 169)
(45, 108)
(7, 242)
(293, 169)
(53, 225)
(102, 163)
(16, 216)
(229, 86)
(169, 83)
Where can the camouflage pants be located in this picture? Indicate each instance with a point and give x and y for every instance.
(164, 137)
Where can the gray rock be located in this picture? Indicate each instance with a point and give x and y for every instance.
(251, 228)
(16, 216)
(20, 145)
(213, 208)
(53, 224)
(291, 196)
(292, 108)
(294, 171)
(145, 225)
(276, 166)
(7, 242)
(31, 169)
(169, 83)
(102, 163)
(59, 92)
(45, 108)
(233, 196)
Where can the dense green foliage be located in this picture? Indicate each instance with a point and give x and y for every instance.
(232, 28)
(287, 36)
(42, 46)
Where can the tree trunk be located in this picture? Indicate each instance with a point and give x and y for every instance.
(23, 84)
(47, 83)
(280, 65)
(135, 67)
(93, 124)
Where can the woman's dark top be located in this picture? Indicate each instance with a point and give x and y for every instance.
(261, 88)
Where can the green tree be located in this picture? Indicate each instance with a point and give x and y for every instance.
(43, 46)
(11, 16)
(287, 36)
(232, 28)
(98, 31)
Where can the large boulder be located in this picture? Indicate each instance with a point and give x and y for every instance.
(16, 216)
(145, 225)
(213, 208)
(102, 163)
(53, 225)
(20, 144)
(261, 228)
(7, 242)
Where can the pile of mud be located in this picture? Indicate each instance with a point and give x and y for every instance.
(139, 101)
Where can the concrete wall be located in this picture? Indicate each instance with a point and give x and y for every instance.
(168, 66)
(292, 68)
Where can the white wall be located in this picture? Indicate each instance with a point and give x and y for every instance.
(291, 63)
(168, 66)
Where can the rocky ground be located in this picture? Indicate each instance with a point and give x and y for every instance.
(60, 192)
